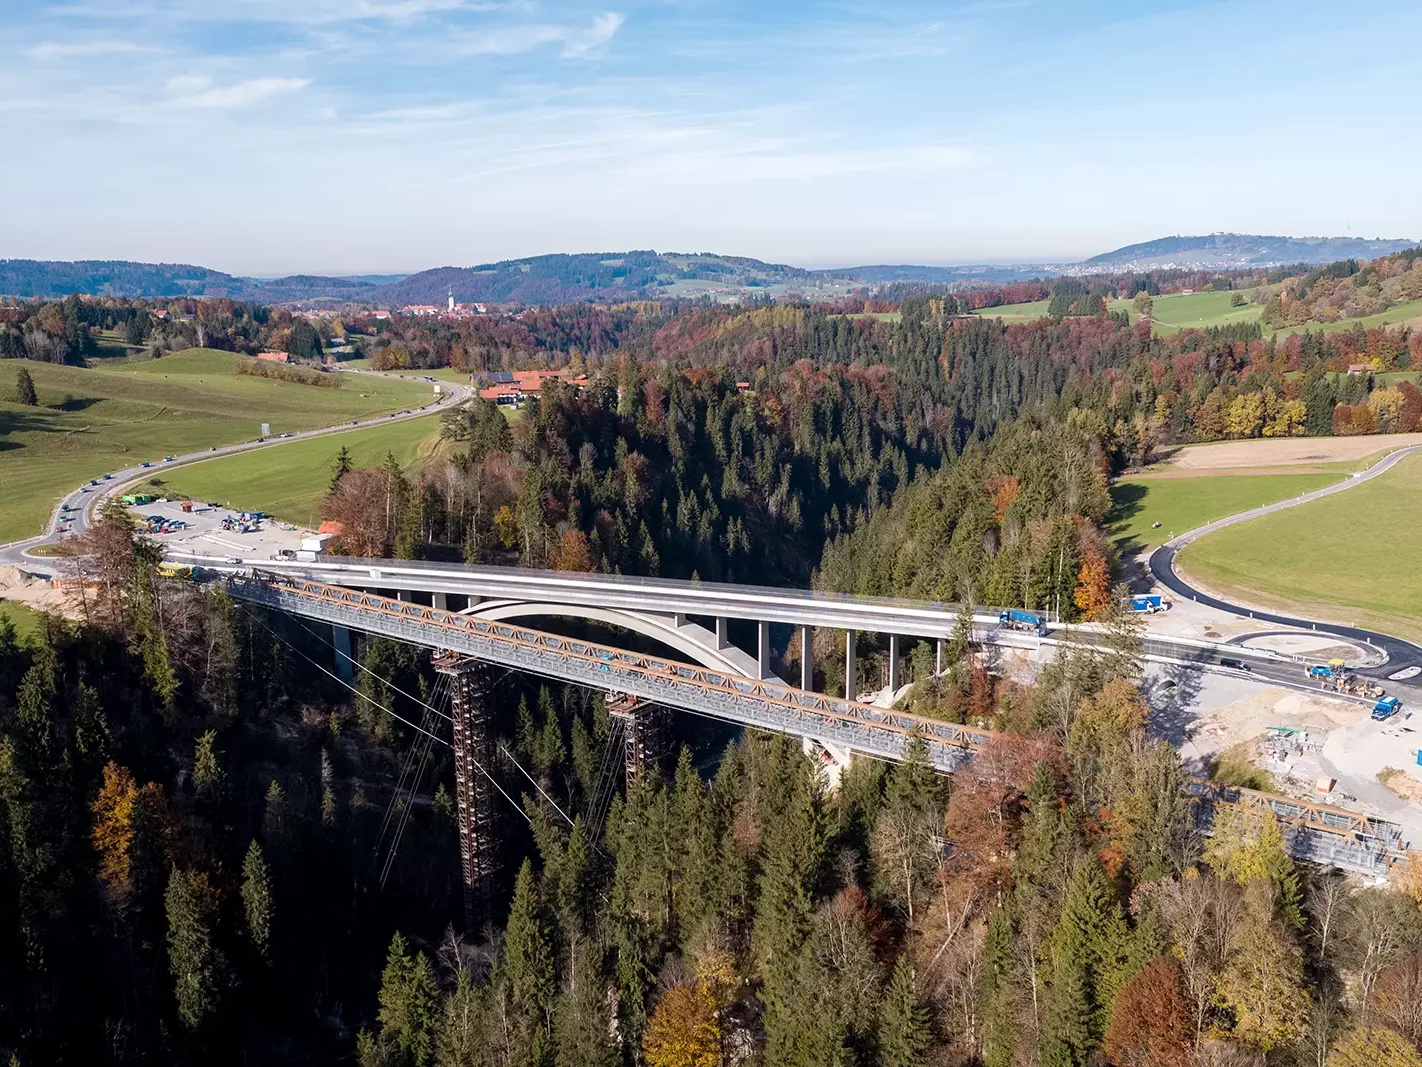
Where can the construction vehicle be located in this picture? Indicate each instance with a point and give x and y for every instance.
(1335, 677)
(1386, 708)
(174, 570)
(1026, 621)
(136, 499)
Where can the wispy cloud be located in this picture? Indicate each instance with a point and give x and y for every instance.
(67, 49)
(199, 90)
(577, 41)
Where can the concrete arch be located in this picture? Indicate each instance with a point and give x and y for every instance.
(695, 642)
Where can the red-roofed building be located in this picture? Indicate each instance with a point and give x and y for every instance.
(331, 526)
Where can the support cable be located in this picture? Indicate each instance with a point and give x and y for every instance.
(478, 766)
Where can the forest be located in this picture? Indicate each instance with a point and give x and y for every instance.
(211, 853)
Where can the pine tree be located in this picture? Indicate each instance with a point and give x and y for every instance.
(1086, 947)
(528, 966)
(409, 1002)
(341, 466)
(257, 898)
(904, 1023)
(207, 775)
(191, 955)
(25, 388)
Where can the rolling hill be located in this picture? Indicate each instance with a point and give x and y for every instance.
(1233, 251)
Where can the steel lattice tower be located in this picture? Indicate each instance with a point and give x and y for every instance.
(473, 763)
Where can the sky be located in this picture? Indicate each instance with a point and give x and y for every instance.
(268, 137)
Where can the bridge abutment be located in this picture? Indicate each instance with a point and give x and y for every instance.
(473, 757)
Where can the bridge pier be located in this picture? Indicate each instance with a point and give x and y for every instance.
(938, 656)
(645, 734)
(893, 665)
(807, 661)
(440, 601)
(341, 641)
(722, 638)
(850, 688)
(763, 648)
(473, 749)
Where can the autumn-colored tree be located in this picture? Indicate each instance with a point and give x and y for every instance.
(112, 835)
(1398, 999)
(1373, 1046)
(986, 805)
(683, 1031)
(358, 503)
(1263, 983)
(1150, 1024)
(574, 553)
(1093, 585)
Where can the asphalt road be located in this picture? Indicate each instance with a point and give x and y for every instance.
(78, 505)
(1400, 654)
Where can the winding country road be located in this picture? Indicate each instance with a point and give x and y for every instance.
(78, 504)
(1400, 654)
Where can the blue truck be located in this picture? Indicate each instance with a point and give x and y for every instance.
(1028, 621)
(1148, 604)
(1386, 708)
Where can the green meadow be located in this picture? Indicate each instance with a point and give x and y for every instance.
(94, 420)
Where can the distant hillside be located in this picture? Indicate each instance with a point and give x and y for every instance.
(298, 287)
(595, 275)
(34, 277)
(1232, 251)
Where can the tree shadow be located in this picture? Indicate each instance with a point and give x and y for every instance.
(1127, 501)
(1174, 698)
(76, 403)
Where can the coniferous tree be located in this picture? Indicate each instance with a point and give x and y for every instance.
(1086, 947)
(25, 388)
(192, 957)
(257, 898)
(340, 467)
(528, 966)
(905, 1031)
(409, 1003)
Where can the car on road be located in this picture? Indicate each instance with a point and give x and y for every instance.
(108, 477)
(355, 422)
(145, 463)
(95, 481)
(1234, 664)
(169, 459)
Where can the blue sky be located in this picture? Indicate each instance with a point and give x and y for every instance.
(273, 136)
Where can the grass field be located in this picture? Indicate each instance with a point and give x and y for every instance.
(290, 480)
(1178, 311)
(439, 374)
(1011, 313)
(91, 421)
(25, 619)
(1181, 504)
(1354, 557)
(1409, 314)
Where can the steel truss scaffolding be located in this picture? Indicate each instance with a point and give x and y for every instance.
(473, 763)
